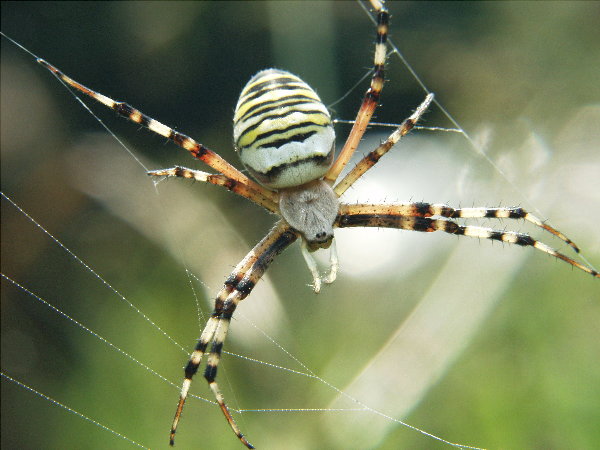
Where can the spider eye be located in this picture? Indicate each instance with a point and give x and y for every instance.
(322, 239)
(323, 242)
(282, 130)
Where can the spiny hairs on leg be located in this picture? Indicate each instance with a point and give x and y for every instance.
(422, 209)
(196, 149)
(511, 213)
(415, 217)
(234, 186)
(237, 287)
(371, 98)
(373, 157)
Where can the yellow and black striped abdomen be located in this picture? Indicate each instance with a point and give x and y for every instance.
(282, 130)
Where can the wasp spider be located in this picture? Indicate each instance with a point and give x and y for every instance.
(285, 139)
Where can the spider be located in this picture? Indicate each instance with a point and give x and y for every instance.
(285, 139)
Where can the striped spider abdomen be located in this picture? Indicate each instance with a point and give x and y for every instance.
(282, 130)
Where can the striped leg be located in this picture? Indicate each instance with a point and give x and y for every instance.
(511, 213)
(237, 287)
(371, 98)
(209, 330)
(416, 223)
(197, 150)
(219, 180)
(420, 209)
(370, 159)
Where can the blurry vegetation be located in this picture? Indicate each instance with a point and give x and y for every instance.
(520, 77)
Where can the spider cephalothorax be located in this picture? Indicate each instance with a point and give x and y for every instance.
(285, 139)
(311, 209)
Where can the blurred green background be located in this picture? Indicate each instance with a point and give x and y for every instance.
(478, 343)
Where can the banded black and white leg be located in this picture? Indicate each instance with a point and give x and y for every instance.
(230, 184)
(371, 98)
(237, 287)
(373, 157)
(196, 149)
(417, 217)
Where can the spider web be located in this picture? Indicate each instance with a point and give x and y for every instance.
(390, 332)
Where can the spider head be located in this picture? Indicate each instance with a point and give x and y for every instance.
(311, 209)
(317, 244)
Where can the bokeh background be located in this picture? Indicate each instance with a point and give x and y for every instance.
(478, 343)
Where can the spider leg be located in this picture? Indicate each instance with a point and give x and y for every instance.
(234, 186)
(448, 226)
(371, 158)
(371, 98)
(197, 150)
(511, 213)
(421, 209)
(237, 287)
